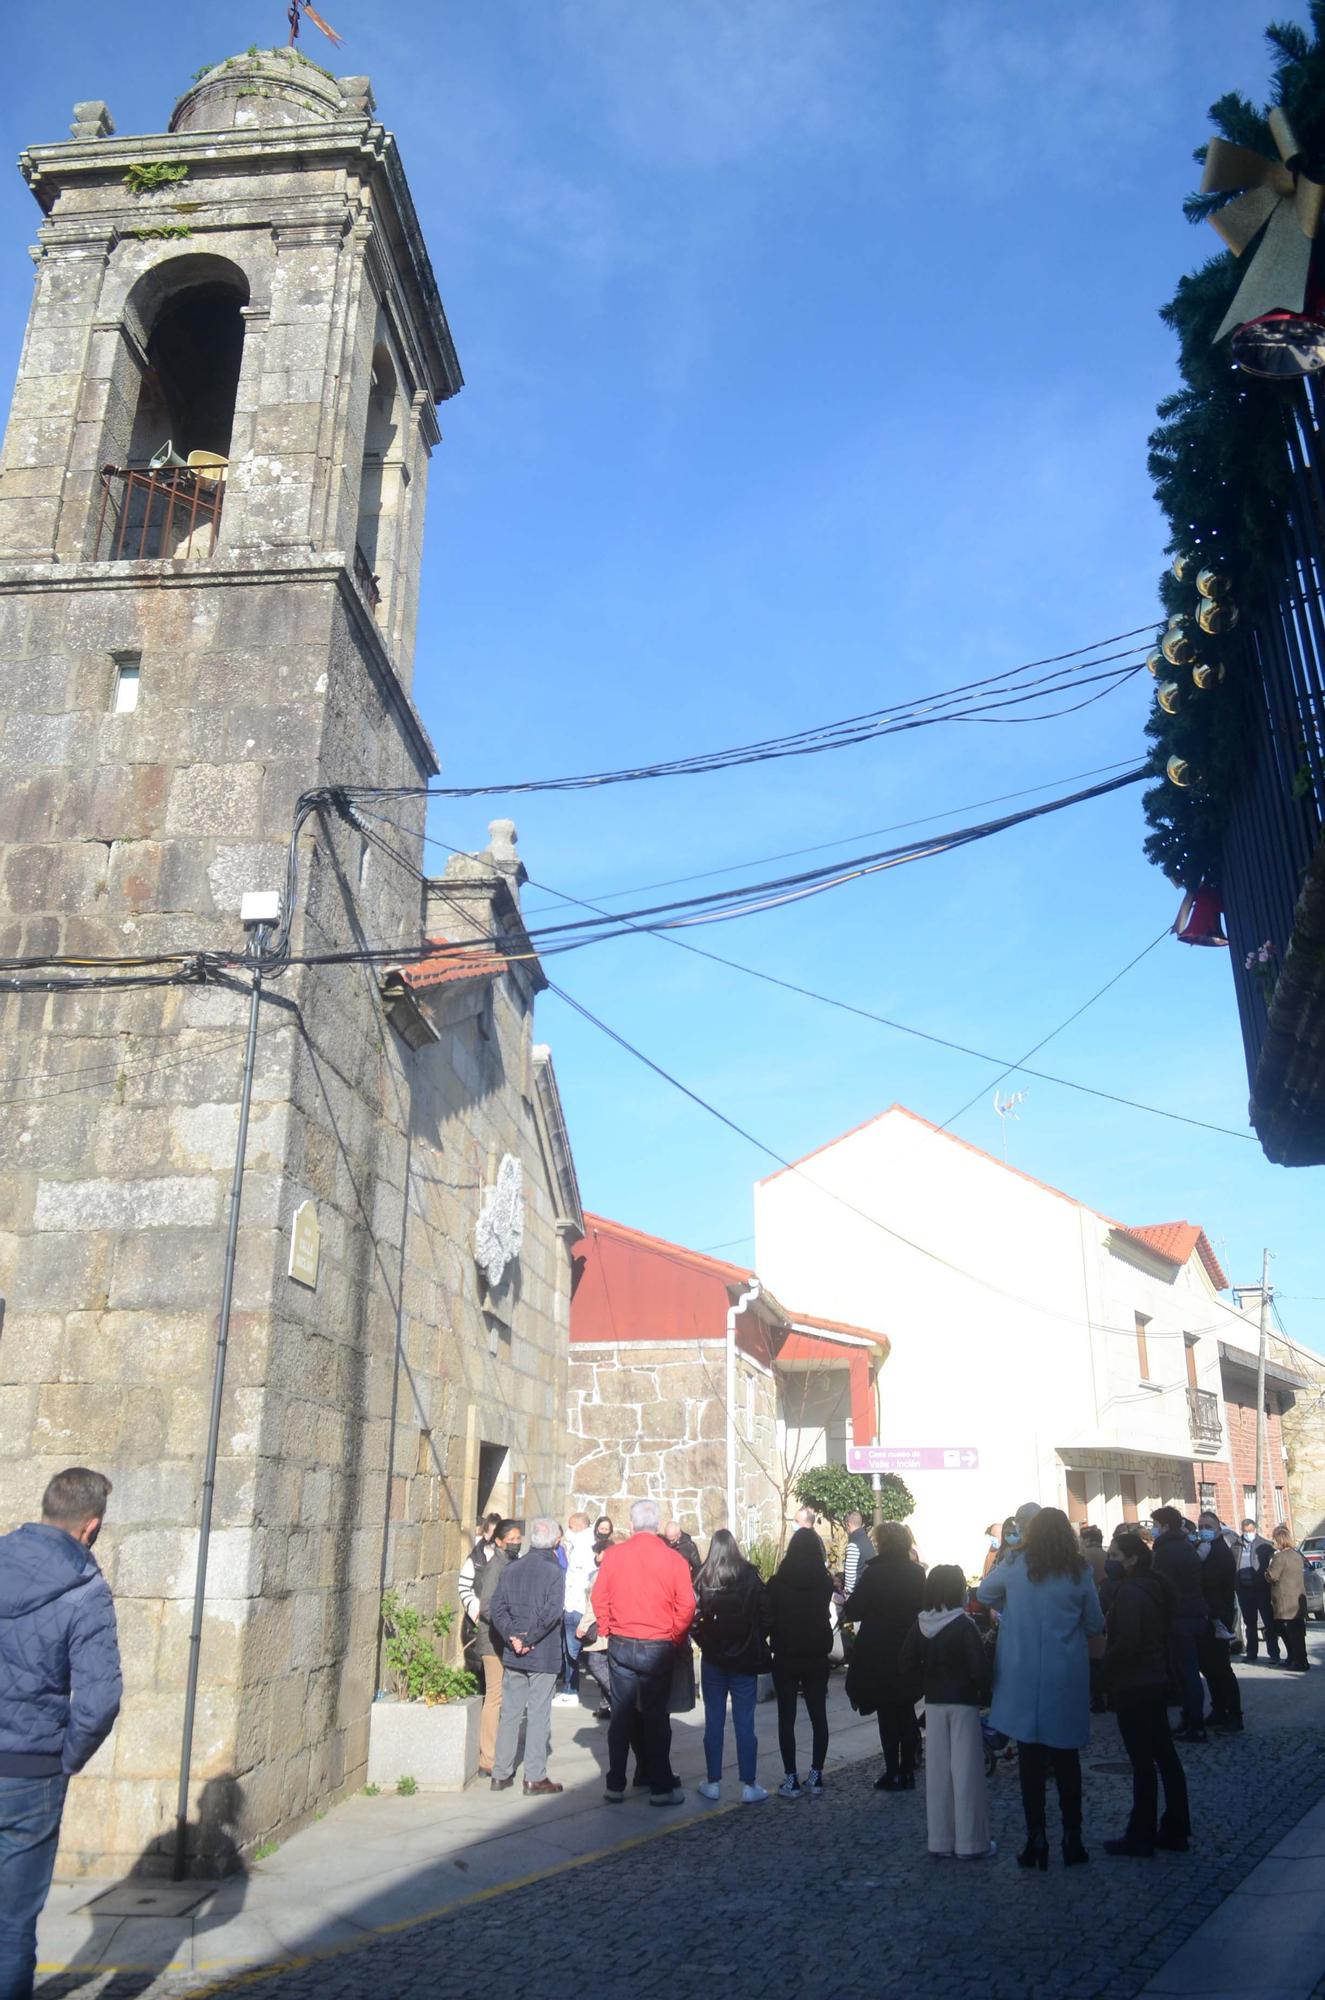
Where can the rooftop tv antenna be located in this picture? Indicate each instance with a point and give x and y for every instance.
(1006, 1107)
(303, 10)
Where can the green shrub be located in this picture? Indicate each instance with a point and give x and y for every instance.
(764, 1555)
(149, 176)
(406, 1787)
(834, 1492)
(413, 1657)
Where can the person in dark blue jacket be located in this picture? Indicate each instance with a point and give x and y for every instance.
(59, 1695)
(527, 1615)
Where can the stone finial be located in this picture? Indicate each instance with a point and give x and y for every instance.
(357, 96)
(92, 120)
(502, 837)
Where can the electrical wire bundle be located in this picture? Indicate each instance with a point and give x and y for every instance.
(973, 701)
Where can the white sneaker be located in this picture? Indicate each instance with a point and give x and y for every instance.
(566, 1700)
(710, 1789)
(751, 1795)
(790, 1788)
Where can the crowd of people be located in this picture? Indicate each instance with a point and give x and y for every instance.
(958, 1676)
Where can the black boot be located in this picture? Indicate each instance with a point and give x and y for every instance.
(1074, 1852)
(1035, 1854)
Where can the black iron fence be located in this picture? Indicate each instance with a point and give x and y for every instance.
(146, 516)
(1276, 821)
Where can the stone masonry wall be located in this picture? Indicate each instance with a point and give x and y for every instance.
(646, 1421)
(262, 673)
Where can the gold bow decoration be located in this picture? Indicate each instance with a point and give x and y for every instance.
(1278, 196)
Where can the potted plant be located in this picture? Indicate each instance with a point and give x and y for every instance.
(426, 1723)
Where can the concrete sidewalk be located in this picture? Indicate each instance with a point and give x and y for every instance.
(374, 1865)
(1267, 1937)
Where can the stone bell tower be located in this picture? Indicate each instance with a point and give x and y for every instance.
(211, 515)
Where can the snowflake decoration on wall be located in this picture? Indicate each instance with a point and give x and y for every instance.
(499, 1231)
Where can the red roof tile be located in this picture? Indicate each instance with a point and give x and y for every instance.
(449, 964)
(1175, 1242)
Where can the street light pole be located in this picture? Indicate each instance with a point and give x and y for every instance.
(257, 942)
(1262, 1513)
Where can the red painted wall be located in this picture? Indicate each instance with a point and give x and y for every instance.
(627, 1290)
(1240, 1416)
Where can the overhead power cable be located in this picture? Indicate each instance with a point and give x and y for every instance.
(817, 846)
(831, 1194)
(980, 700)
(1013, 1068)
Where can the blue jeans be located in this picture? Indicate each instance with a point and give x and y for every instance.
(30, 1810)
(716, 1684)
(1186, 1659)
(640, 1671)
(572, 1651)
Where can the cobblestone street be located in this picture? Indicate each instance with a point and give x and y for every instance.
(838, 1900)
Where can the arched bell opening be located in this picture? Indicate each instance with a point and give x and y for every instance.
(379, 481)
(162, 492)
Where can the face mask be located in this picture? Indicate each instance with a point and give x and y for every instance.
(1014, 1539)
(994, 1542)
(513, 1549)
(1208, 1534)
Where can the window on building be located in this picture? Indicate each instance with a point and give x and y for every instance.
(1189, 1342)
(1249, 1503)
(1205, 1498)
(1077, 1507)
(1280, 1513)
(124, 698)
(1142, 1351)
(1127, 1494)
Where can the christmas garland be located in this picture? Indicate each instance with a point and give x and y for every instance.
(1221, 473)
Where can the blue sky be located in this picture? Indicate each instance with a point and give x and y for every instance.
(811, 350)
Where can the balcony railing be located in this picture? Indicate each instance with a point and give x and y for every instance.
(1275, 824)
(147, 516)
(1203, 1418)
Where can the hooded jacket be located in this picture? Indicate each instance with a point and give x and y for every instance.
(945, 1652)
(60, 1679)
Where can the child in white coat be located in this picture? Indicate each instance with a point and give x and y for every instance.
(945, 1650)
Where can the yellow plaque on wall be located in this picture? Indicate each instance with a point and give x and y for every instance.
(305, 1245)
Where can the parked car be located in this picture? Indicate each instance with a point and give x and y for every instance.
(1313, 1571)
(1313, 1545)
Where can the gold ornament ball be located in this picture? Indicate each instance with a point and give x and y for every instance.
(1179, 772)
(1185, 566)
(1169, 696)
(1208, 674)
(1177, 648)
(1156, 664)
(1214, 617)
(1212, 583)
(1178, 618)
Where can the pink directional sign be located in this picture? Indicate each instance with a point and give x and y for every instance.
(912, 1458)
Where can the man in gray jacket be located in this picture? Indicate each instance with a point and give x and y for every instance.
(59, 1696)
(526, 1614)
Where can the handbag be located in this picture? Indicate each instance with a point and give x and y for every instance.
(681, 1697)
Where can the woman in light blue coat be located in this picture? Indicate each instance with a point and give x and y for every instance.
(1050, 1611)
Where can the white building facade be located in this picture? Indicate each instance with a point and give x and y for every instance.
(1079, 1356)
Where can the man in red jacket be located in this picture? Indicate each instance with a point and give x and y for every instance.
(644, 1606)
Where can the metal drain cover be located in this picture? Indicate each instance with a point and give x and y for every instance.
(1113, 1770)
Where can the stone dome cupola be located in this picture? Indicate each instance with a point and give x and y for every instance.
(268, 88)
